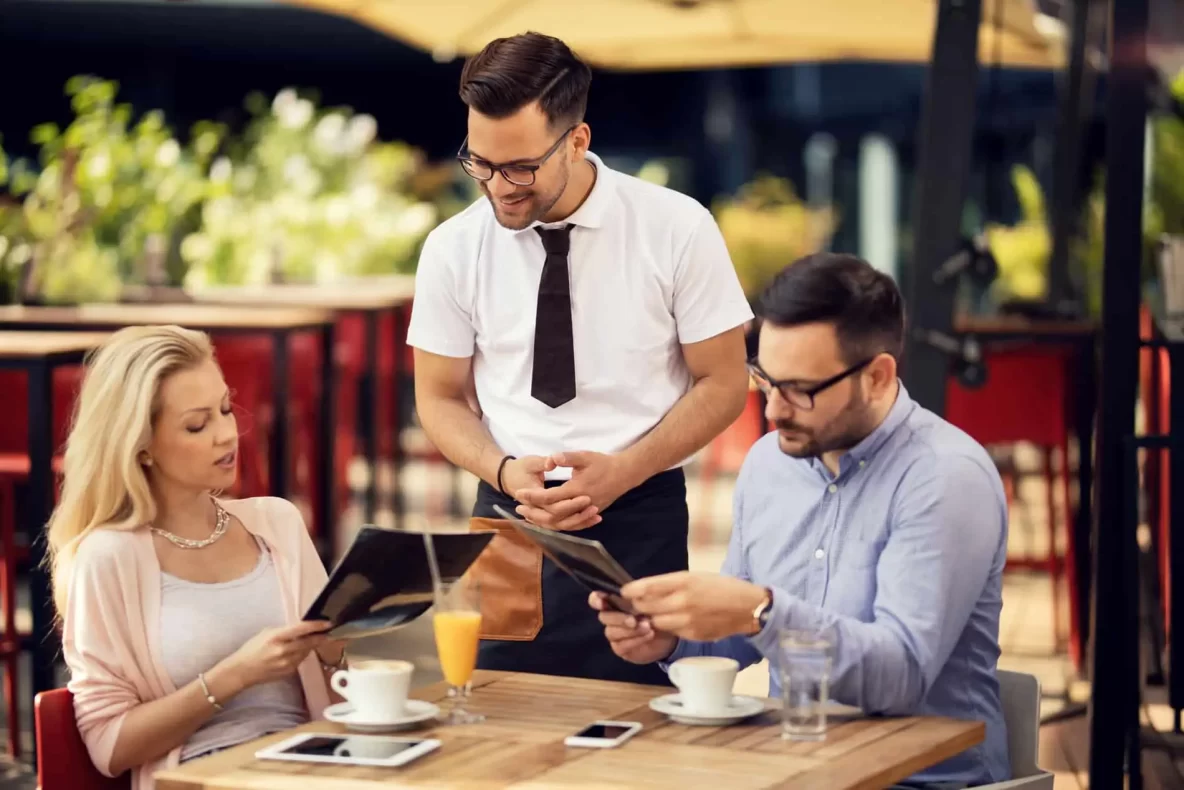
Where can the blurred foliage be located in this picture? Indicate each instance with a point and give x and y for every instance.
(310, 195)
(766, 227)
(104, 186)
(1022, 250)
(303, 194)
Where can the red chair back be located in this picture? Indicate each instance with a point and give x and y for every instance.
(63, 762)
(1025, 398)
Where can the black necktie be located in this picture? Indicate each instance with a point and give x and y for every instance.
(554, 379)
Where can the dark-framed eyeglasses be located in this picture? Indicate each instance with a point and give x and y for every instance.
(517, 173)
(792, 391)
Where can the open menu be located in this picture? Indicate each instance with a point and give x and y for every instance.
(587, 561)
(384, 580)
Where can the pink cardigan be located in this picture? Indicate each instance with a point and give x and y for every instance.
(110, 634)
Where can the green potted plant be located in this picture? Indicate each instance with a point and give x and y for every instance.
(309, 194)
(108, 191)
(766, 226)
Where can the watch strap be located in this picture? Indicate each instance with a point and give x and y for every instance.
(760, 615)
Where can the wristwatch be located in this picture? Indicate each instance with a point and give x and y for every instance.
(760, 615)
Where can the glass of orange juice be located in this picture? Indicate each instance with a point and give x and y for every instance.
(457, 624)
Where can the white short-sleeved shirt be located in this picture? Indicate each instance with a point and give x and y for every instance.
(649, 272)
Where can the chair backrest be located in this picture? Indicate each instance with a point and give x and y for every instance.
(63, 763)
(1020, 694)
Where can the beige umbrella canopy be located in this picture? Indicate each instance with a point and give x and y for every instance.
(691, 34)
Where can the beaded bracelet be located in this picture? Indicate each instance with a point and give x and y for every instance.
(341, 663)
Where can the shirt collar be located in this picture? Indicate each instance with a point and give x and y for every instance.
(591, 212)
(862, 453)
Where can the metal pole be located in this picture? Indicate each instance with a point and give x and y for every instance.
(945, 146)
(1115, 634)
(1075, 106)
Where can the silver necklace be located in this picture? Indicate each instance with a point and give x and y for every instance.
(221, 522)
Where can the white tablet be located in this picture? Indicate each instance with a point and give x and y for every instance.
(380, 750)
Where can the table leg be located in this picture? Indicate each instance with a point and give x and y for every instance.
(326, 517)
(369, 416)
(399, 314)
(278, 473)
(39, 506)
(1176, 545)
(1084, 414)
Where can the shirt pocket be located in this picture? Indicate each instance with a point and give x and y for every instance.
(860, 553)
(852, 587)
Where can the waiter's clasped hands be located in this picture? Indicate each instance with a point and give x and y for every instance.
(597, 480)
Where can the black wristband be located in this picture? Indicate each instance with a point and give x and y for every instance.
(501, 468)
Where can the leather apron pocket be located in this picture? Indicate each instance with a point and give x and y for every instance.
(510, 573)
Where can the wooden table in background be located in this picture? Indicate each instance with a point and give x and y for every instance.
(37, 354)
(520, 745)
(277, 322)
(371, 297)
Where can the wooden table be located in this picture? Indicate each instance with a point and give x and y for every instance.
(371, 297)
(520, 745)
(277, 322)
(38, 354)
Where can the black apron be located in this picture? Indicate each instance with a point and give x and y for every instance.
(646, 531)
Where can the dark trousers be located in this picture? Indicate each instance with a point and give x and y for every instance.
(646, 532)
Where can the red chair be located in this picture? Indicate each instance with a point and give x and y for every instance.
(1155, 396)
(63, 762)
(10, 640)
(1026, 399)
(726, 454)
(14, 469)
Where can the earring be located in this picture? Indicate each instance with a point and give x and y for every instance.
(146, 459)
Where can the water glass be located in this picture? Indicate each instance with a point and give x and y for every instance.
(805, 668)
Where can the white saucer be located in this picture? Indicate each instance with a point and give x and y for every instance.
(417, 711)
(738, 709)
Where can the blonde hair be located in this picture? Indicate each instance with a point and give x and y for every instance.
(104, 484)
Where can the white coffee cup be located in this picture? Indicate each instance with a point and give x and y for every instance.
(377, 690)
(705, 682)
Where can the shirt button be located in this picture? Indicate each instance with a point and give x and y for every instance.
(862, 464)
(819, 554)
(832, 488)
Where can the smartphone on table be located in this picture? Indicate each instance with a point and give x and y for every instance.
(377, 750)
(604, 734)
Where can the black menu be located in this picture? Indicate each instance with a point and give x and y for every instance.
(384, 580)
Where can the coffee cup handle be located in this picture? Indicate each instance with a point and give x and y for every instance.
(673, 673)
(340, 682)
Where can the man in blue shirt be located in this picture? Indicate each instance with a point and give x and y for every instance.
(863, 514)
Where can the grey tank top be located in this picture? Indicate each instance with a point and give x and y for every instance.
(201, 624)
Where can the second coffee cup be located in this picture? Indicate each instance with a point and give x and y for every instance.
(377, 690)
(705, 683)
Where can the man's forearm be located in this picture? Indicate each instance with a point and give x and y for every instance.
(712, 404)
(461, 436)
(872, 669)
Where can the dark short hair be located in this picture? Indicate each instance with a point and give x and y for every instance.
(510, 73)
(863, 304)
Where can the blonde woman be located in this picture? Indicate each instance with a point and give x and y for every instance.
(180, 611)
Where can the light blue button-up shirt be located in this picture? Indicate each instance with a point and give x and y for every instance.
(900, 555)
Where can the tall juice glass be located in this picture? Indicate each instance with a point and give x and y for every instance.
(457, 624)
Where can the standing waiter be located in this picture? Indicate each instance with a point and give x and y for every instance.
(578, 336)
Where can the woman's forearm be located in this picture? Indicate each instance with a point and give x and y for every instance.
(153, 729)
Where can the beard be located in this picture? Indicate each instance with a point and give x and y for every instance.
(535, 204)
(847, 429)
